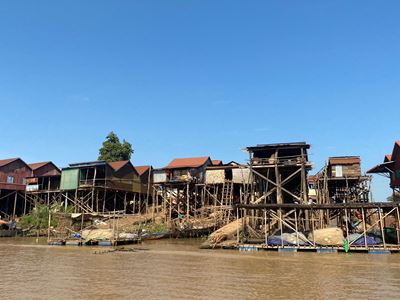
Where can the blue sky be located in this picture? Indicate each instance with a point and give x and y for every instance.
(187, 78)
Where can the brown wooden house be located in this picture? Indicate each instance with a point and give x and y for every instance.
(188, 169)
(46, 176)
(118, 176)
(145, 174)
(13, 174)
(391, 169)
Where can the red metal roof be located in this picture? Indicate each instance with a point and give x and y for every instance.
(216, 162)
(344, 160)
(142, 169)
(190, 162)
(388, 157)
(116, 165)
(38, 165)
(4, 162)
(386, 167)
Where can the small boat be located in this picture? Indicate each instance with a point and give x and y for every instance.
(56, 242)
(105, 243)
(73, 242)
(9, 232)
(155, 235)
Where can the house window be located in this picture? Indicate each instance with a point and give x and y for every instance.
(398, 174)
(10, 179)
(338, 171)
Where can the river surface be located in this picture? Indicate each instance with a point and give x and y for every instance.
(178, 269)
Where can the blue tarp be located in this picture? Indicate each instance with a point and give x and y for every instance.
(371, 240)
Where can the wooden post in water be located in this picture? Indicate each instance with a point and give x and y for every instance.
(48, 226)
(15, 204)
(381, 225)
(280, 225)
(265, 227)
(364, 228)
(398, 226)
(237, 227)
(187, 202)
(347, 226)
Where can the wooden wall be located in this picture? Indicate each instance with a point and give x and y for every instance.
(19, 170)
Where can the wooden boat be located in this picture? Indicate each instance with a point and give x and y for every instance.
(9, 232)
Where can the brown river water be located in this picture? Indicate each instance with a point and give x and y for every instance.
(178, 269)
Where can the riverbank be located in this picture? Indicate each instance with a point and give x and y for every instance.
(172, 269)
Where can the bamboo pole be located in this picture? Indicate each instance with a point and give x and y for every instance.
(48, 227)
(364, 228)
(280, 225)
(381, 226)
(296, 226)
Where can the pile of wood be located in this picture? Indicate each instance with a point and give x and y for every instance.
(225, 236)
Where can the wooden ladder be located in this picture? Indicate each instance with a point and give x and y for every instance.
(227, 192)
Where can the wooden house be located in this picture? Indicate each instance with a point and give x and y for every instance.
(145, 175)
(390, 168)
(188, 169)
(344, 166)
(13, 174)
(46, 176)
(341, 181)
(279, 172)
(117, 176)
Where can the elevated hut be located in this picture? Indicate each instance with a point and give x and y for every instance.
(177, 187)
(100, 186)
(390, 168)
(279, 173)
(13, 174)
(45, 177)
(341, 181)
(43, 186)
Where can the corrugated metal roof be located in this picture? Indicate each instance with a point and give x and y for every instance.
(116, 165)
(35, 166)
(4, 162)
(216, 162)
(88, 164)
(344, 160)
(142, 169)
(388, 157)
(190, 162)
(278, 145)
(382, 168)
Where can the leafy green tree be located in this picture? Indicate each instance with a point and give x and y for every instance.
(114, 150)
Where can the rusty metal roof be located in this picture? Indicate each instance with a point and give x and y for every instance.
(278, 146)
(386, 167)
(388, 157)
(4, 162)
(216, 162)
(142, 169)
(116, 165)
(190, 162)
(35, 166)
(344, 160)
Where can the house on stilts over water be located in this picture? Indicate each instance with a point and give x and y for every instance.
(102, 186)
(390, 168)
